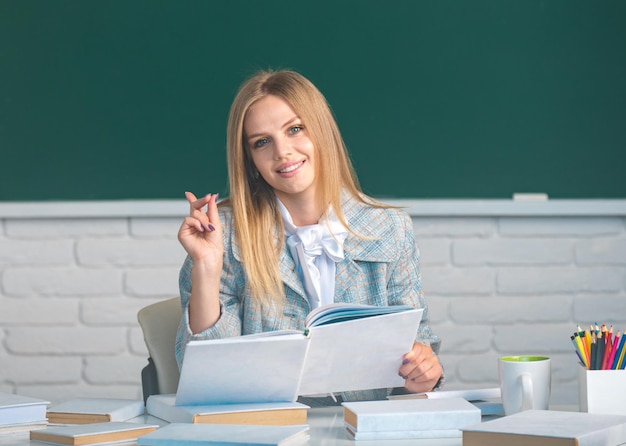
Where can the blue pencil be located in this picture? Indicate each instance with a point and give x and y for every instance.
(620, 361)
(618, 352)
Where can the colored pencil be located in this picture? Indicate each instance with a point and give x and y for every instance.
(614, 347)
(598, 348)
(619, 355)
(579, 349)
(583, 339)
(588, 344)
(608, 346)
(594, 352)
(600, 355)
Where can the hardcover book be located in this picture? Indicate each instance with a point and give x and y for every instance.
(18, 428)
(328, 356)
(277, 414)
(488, 400)
(94, 410)
(467, 394)
(18, 409)
(548, 427)
(82, 434)
(413, 418)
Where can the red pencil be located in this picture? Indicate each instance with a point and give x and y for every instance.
(608, 340)
(614, 348)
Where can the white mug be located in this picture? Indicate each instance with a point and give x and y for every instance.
(524, 383)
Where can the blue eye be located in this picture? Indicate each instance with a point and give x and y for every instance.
(295, 129)
(260, 142)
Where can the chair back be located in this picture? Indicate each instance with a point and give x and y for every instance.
(159, 323)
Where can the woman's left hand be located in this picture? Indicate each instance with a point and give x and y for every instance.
(420, 368)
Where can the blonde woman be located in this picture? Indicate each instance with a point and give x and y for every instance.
(296, 231)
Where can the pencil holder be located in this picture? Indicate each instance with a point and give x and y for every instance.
(602, 391)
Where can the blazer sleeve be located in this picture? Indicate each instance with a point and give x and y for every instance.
(232, 284)
(229, 324)
(405, 280)
(405, 286)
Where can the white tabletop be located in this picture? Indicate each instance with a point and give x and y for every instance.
(326, 429)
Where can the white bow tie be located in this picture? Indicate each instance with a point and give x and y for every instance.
(316, 239)
(315, 249)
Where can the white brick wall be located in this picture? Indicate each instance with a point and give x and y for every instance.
(498, 282)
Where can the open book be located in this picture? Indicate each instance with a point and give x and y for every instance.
(344, 347)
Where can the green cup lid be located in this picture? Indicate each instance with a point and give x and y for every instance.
(524, 358)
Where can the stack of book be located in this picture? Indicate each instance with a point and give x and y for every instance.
(94, 410)
(21, 413)
(410, 418)
(94, 433)
(548, 427)
(277, 414)
(85, 421)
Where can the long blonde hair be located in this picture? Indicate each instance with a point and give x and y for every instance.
(258, 226)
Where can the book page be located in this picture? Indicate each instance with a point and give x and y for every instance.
(338, 312)
(359, 354)
(242, 369)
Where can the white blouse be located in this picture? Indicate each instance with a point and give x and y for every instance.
(315, 249)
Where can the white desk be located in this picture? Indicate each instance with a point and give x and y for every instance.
(326, 429)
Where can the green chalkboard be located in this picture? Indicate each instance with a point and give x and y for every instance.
(436, 99)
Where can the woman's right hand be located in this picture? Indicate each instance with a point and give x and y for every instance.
(201, 232)
(201, 236)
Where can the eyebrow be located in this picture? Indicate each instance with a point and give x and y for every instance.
(286, 124)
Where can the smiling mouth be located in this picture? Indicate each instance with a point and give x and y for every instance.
(291, 168)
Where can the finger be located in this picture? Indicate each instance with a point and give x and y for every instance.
(195, 223)
(422, 374)
(416, 354)
(212, 213)
(197, 203)
(430, 375)
(190, 197)
(415, 359)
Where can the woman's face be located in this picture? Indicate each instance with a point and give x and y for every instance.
(281, 149)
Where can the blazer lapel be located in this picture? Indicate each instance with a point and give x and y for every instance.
(286, 267)
(288, 273)
(347, 280)
(377, 248)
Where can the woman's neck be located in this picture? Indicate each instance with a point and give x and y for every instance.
(303, 213)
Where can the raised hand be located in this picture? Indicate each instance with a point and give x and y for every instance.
(201, 231)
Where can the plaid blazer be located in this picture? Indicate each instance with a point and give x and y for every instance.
(380, 270)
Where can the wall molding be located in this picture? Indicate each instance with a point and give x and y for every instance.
(415, 207)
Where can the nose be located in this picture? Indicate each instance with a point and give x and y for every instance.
(282, 148)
